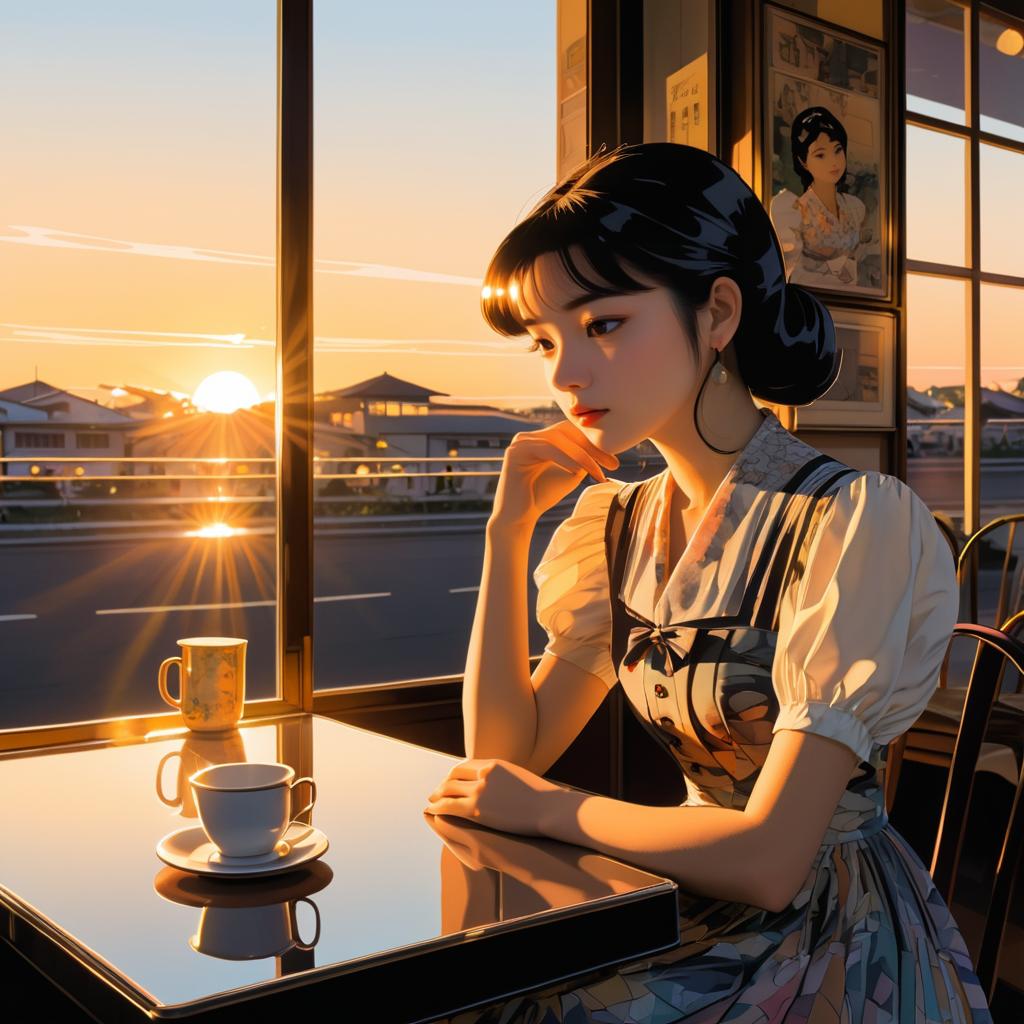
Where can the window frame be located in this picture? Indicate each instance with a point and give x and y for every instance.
(613, 111)
(294, 447)
(974, 137)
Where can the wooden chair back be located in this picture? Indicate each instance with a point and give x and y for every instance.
(954, 538)
(994, 649)
(1011, 576)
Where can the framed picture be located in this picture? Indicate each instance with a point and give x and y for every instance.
(862, 393)
(826, 140)
(687, 108)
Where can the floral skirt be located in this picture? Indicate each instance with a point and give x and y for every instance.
(869, 940)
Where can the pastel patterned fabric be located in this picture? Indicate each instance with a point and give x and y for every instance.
(775, 617)
(817, 245)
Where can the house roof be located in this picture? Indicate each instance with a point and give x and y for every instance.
(32, 390)
(383, 386)
(35, 392)
(19, 409)
(1001, 403)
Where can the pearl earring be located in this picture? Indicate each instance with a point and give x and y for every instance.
(719, 373)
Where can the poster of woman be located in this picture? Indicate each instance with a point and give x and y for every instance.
(826, 159)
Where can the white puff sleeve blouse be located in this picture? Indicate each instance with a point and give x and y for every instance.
(572, 586)
(863, 632)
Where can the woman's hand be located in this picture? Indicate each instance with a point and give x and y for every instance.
(495, 793)
(542, 466)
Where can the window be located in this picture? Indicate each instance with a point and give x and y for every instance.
(93, 440)
(33, 440)
(152, 319)
(404, 226)
(965, 287)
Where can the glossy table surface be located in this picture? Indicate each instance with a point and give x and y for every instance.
(397, 895)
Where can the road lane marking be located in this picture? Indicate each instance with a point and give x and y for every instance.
(15, 618)
(183, 608)
(462, 590)
(212, 607)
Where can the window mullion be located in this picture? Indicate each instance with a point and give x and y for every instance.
(294, 353)
(972, 362)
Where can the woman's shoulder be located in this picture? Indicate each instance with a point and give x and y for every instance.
(854, 203)
(886, 511)
(580, 535)
(596, 499)
(784, 201)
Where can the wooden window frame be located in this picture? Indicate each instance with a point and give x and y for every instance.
(972, 134)
(614, 114)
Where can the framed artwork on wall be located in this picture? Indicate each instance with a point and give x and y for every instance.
(862, 395)
(826, 154)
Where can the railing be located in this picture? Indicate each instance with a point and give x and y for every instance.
(89, 499)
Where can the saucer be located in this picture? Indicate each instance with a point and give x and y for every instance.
(190, 849)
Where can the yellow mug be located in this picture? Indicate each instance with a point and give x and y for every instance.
(211, 672)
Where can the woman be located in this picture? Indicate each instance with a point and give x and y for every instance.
(820, 229)
(745, 619)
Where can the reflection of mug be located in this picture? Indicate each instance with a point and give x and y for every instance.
(197, 752)
(211, 670)
(251, 933)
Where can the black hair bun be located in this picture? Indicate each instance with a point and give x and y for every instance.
(792, 359)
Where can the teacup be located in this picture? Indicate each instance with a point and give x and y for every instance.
(212, 674)
(197, 752)
(246, 807)
(251, 933)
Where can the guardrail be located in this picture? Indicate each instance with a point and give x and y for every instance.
(82, 500)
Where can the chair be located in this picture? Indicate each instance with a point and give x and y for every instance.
(995, 649)
(1011, 577)
(949, 530)
(930, 739)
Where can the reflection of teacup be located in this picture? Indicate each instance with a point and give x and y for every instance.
(197, 752)
(212, 674)
(251, 933)
(226, 932)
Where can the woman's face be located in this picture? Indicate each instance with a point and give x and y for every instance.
(628, 354)
(826, 160)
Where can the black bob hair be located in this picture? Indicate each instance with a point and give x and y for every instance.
(683, 218)
(806, 127)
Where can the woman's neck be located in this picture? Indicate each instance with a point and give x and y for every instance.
(827, 194)
(696, 469)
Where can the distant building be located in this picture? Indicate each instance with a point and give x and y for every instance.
(409, 420)
(38, 420)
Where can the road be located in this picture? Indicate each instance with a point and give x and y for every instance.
(84, 627)
(940, 483)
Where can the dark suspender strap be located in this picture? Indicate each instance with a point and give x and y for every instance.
(616, 546)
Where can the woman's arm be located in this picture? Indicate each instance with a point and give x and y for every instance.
(499, 711)
(787, 219)
(539, 469)
(760, 855)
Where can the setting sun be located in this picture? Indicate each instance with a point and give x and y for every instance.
(225, 391)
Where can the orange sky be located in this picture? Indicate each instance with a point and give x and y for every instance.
(137, 207)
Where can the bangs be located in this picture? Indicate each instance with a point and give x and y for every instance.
(573, 221)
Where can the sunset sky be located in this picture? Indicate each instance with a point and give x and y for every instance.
(137, 207)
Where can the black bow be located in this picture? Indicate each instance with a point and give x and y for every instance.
(667, 659)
